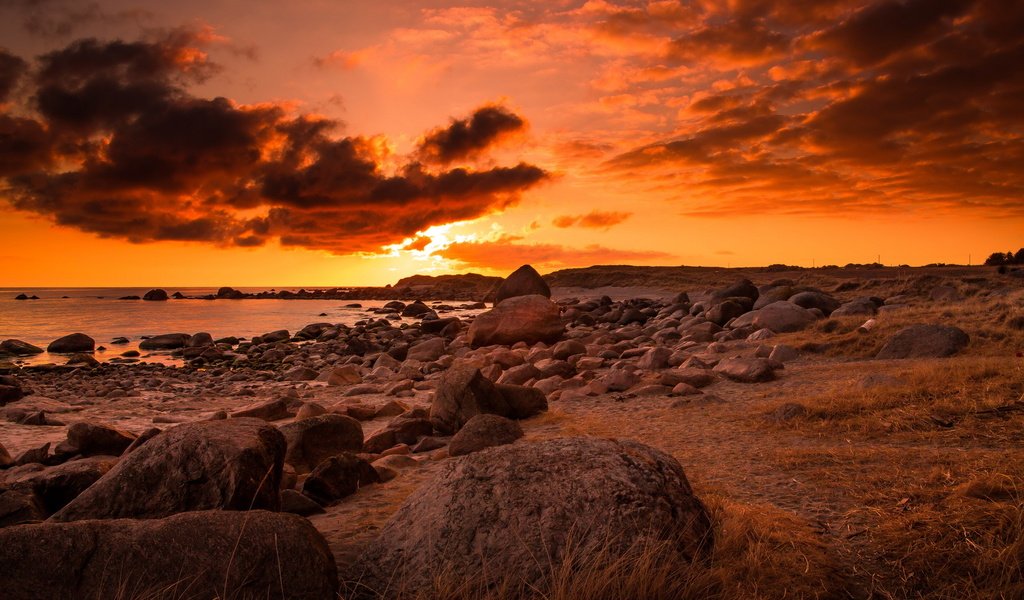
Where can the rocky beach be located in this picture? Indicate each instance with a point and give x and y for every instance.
(415, 454)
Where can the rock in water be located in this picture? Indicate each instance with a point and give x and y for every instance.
(925, 341)
(155, 296)
(234, 464)
(462, 393)
(491, 514)
(76, 342)
(524, 281)
(312, 441)
(194, 555)
(19, 348)
(529, 319)
(484, 431)
(167, 341)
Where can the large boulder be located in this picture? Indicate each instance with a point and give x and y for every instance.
(209, 554)
(167, 341)
(484, 431)
(783, 317)
(427, 350)
(19, 348)
(5, 458)
(462, 393)
(925, 341)
(312, 441)
(515, 510)
(523, 402)
(75, 342)
(10, 389)
(741, 289)
(529, 319)
(233, 464)
(524, 281)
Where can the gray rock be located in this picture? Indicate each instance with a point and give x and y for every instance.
(493, 513)
(782, 317)
(484, 431)
(312, 441)
(98, 439)
(746, 370)
(234, 464)
(925, 341)
(338, 477)
(462, 393)
(200, 555)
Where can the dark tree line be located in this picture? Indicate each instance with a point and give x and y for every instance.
(1008, 258)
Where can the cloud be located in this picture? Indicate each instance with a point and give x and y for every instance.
(118, 146)
(465, 138)
(595, 219)
(506, 254)
(861, 106)
(11, 70)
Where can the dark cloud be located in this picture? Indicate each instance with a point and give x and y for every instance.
(464, 138)
(11, 70)
(870, 106)
(118, 146)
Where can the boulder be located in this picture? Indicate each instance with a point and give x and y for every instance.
(655, 358)
(462, 393)
(91, 439)
(524, 281)
(270, 410)
(155, 296)
(741, 289)
(232, 464)
(783, 317)
(209, 554)
(18, 505)
(55, 486)
(300, 373)
(427, 351)
(167, 341)
(514, 510)
(338, 477)
(523, 402)
(343, 375)
(861, 307)
(484, 431)
(312, 441)
(229, 293)
(75, 342)
(10, 390)
(200, 340)
(528, 319)
(281, 335)
(925, 341)
(19, 348)
(5, 458)
(746, 370)
(814, 299)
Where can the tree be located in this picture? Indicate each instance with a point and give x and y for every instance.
(996, 259)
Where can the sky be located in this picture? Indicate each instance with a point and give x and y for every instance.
(328, 143)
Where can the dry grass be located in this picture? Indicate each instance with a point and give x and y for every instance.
(972, 397)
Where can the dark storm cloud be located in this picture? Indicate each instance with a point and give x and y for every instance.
(464, 138)
(113, 143)
(11, 69)
(880, 105)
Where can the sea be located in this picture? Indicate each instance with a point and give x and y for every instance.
(98, 313)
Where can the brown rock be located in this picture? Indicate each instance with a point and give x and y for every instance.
(312, 441)
(524, 281)
(528, 319)
(484, 431)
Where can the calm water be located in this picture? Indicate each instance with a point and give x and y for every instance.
(98, 313)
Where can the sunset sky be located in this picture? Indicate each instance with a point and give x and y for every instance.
(320, 143)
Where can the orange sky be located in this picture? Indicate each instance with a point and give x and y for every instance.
(344, 143)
